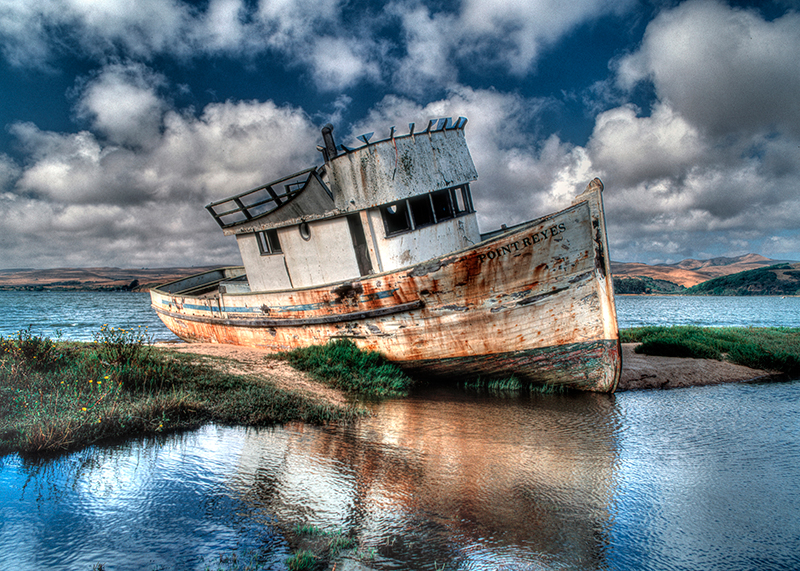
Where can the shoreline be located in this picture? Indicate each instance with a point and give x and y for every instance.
(639, 371)
(647, 372)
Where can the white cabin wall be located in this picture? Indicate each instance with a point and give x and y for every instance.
(328, 256)
(425, 243)
(264, 273)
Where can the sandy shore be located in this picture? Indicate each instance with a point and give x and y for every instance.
(638, 371)
(650, 372)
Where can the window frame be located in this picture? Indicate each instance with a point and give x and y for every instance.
(269, 244)
(451, 193)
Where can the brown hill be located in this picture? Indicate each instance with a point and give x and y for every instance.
(692, 272)
(92, 278)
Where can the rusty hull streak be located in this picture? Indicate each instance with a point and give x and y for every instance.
(511, 305)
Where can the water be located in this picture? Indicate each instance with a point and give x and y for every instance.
(704, 478)
(78, 315)
(757, 311)
(701, 478)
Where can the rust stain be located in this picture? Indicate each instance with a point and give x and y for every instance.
(510, 313)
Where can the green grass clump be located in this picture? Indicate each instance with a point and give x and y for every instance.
(342, 365)
(513, 385)
(769, 348)
(57, 396)
(301, 561)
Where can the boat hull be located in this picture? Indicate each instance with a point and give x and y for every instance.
(535, 302)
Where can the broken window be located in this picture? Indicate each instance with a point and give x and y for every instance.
(268, 242)
(421, 211)
(442, 205)
(427, 209)
(395, 217)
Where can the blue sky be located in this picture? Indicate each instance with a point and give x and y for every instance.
(122, 119)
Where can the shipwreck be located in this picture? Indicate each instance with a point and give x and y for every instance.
(381, 245)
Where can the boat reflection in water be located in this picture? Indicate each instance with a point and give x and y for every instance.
(478, 483)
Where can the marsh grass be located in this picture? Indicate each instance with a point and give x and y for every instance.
(769, 348)
(511, 385)
(342, 365)
(318, 546)
(57, 396)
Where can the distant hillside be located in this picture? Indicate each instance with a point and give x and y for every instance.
(688, 273)
(92, 279)
(780, 279)
(645, 285)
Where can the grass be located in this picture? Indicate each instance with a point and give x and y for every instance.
(512, 385)
(769, 348)
(342, 365)
(317, 547)
(58, 396)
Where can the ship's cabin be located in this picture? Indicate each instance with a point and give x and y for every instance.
(367, 210)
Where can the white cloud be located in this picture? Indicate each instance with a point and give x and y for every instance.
(632, 148)
(100, 199)
(123, 105)
(726, 70)
(338, 51)
(514, 32)
(338, 63)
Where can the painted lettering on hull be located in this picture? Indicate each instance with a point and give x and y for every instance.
(522, 243)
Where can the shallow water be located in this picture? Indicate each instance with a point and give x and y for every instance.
(703, 478)
(79, 315)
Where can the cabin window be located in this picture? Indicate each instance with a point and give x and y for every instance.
(442, 205)
(462, 200)
(395, 217)
(268, 242)
(427, 209)
(421, 211)
(305, 231)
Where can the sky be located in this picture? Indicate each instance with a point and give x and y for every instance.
(121, 120)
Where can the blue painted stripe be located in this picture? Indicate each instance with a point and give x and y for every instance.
(281, 309)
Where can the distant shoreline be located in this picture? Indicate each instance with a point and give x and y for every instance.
(94, 279)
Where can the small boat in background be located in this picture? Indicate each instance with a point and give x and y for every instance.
(381, 245)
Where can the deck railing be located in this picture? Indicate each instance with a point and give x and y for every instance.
(262, 200)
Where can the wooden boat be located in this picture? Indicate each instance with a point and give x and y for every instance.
(381, 246)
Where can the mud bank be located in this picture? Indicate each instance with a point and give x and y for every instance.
(638, 371)
(651, 372)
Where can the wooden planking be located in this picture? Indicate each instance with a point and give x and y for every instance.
(541, 286)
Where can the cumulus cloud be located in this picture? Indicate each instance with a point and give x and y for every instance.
(99, 194)
(336, 45)
(726, 70)
(512, 33)
(122, 104)
(712, 167)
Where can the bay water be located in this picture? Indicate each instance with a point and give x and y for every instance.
(698, 478)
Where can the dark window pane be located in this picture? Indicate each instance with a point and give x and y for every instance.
(421, 211)
(274, 243)
(395, 217)
(442, 205)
